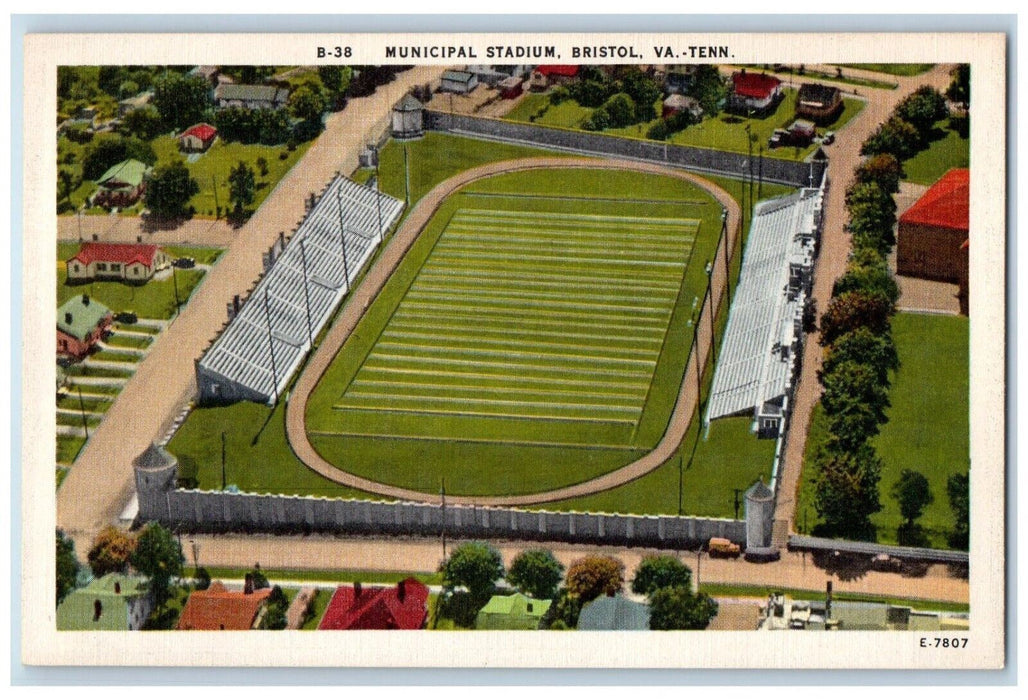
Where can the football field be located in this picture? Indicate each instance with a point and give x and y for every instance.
(539, 327)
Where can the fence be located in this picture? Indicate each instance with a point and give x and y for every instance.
(923, 554)
(784, 172)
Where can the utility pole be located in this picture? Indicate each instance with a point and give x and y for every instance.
(80, 222)
(223, 480)
(724, 241)
(710, 309)
(378, 199)
(82, 409)
(342, 237)
(737, 492)
(174, 283)
(271, 347)
(760, 171)
(306, 293)
(406, 177)
(680, 479)
(217, 207)
(442, 497)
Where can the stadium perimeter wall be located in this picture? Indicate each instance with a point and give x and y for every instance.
(784, 172)
(215, 511)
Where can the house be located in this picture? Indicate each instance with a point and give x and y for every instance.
(545, 76)
(81, 324)
(754, 93)
(820, 103)
(614, 613)
(208, 73)
(130, 104)
(676, 104)
(250, 96)
(458, 81)
(931, 233)
(678, 79)
(122, 184)
(511, 612)
(197, 138)
(129, 262)
(115, 602)
(218, 608)
(487, 75)
(511, 88)
(399, 607)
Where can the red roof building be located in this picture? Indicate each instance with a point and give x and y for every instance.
(565, 71)
(197, 138)
(545, 76)
(932, 232)
(218, 608)
(400, 607)
(754, 92)
(130, 262)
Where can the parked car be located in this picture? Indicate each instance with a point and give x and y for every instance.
(828, 138)
(721, 547)
(184, 263)
(127, 317)
(779, 138)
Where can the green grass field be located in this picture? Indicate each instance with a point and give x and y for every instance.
(723, 132)
(259, 457)
(900, 69)
(530, 327)
(949, 150)
(928, 423)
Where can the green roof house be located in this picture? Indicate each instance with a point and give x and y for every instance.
(511, 612)
(81, 323)
(614, 613)
(122, 184)
(115, 602)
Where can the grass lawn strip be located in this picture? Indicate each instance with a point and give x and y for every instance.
(900, 69)
(727, 590)
(948, 149)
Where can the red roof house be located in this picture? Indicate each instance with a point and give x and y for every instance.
(399, 607)
(545, 76)
(218, 608)
(754, 92)
(197, 138)
(131, 262)
(932, 231)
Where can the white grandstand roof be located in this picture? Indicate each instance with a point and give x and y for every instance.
(241, 354)
(751, 368)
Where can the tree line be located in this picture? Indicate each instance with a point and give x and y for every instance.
(859, 352)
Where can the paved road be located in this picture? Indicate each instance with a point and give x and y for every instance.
(100, 483)
(844, 156)
(391, 258)
(794, 570)
(130, 229)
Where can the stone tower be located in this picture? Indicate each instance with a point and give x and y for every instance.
(760, 514)
(155, 470)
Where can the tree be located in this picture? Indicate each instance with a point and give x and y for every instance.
(846, 489)
(589, 92)
(895, 136)
(922, 109)
(262, 165)
(855, 402)
(306, 102)
(563, 612)
(676, 608)
(709, 89)
(959, 89)
(67, 565)
(662, 571)
(644, 92)
(158, 556)
(275, 610)
(242, 186)
(856, 309)
(958, 491)
(111, 149)
(913, 494)
(110, 552)
(593, 576)
(861, 346)
(258, 578)
(144, 123)
(621, 110)
(536, 573)
(336, 80)
(203, 579)
(169, 189)
(181, 100)
(867, 271)
(476, 566)
(883, 169)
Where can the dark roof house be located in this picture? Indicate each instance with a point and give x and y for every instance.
(821, 103)
(614, 613)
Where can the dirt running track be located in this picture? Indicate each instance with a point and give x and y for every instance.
(400, 243)
(100, 483)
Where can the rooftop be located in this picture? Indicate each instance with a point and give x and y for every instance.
(126, 173)
(80, 315)
(218, 608)
(251, 93)
(204, 132)
(359, 608)
(78, 611)
(566, 71)
(124, 253)
(756, 85)
(614, 613)
(946, 204)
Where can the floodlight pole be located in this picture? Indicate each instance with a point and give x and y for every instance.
(217, 206)
(378, 199)
(271, 347)
(680, 468)
(736, 503)
(724, 242)
(223, 480)
(174, 283)
(442, 498)
(342, 237)
(710, 302)
(306, 293)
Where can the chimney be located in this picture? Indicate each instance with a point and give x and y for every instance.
(139, 239)
(235, 302)
(357, 590)
(281, 241)
(96, 237)
(248, 584)
(117, 586)
(828, 600)
(67, 318)
(401, 591)
(85, 300)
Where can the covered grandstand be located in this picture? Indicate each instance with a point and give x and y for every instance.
(757, 361)
(304, 281)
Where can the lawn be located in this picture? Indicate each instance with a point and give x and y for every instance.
(202, 255)
(724, 132)
(932, 381)
(68, 448)
(732, 590)
(948, 149)
(540, 341)
(155, 299)
(211, 170)
(900, 69)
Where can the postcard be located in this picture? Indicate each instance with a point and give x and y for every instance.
(535, 350)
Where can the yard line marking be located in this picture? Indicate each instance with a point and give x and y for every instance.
(494, 441)
(459, 402)
(505, 335)
(558, 370)
(517, 416)
(521, 378)
(472, 388)
(513, 352)
(469, 341)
